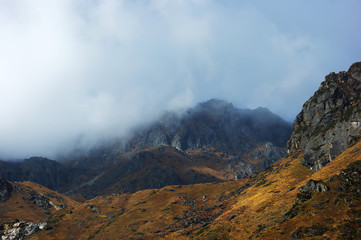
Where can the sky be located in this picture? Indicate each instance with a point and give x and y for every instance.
(74, 73)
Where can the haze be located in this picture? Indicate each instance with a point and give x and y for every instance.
(75, 73)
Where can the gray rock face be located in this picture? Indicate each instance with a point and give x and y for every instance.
(314, 186)
(39, 200)
(217, 124)
(20, 230)
(330, 121)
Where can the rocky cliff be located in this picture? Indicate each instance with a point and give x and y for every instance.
(330, 121)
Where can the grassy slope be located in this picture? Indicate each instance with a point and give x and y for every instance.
(20, 207)
(250, 208)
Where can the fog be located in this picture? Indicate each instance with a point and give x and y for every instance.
(76, 73)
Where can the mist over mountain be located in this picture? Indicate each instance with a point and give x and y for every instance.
(212, 142)
(77, 73)
(313, 192)
(142, 119)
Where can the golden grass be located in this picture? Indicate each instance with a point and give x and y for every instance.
(250, 208)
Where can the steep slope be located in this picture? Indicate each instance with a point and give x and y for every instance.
(330, 121)
(291, 202)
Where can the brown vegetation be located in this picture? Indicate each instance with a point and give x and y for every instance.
(268, 206)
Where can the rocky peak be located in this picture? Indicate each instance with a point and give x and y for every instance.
(355, 71)
(330, 121)
(216, 123)
(214, 106)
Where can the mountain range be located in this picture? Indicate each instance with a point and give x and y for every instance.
(211, 142)
(247, 186)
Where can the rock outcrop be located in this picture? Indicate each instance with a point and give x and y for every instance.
(314, 186)
(330, 121)
(20, 230)
(5, 190)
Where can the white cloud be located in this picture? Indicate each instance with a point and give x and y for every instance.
(77, 72)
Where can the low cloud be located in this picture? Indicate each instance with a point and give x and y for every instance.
(73, 73)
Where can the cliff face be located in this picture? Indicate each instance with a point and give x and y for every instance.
(330, 121)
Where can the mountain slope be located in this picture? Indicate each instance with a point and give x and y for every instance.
(268, 206)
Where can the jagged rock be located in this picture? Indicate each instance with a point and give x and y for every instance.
(20, 230)
(314, 186)
(5, 190)
(39, 200)
(315, 230)
(330, 121)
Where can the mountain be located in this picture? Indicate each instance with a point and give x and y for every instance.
(330, 121)
(217, 124)
(212, 142)
(288, 200)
